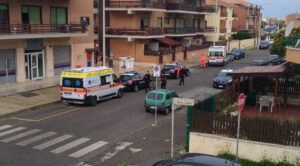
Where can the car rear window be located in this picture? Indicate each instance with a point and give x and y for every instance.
(125, 77)
(169, 67)
(72, 82)
(216, 53)
(154, 95)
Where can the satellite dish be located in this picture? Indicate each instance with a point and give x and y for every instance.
(289, 28)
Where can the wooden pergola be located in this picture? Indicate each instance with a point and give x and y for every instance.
(251, 72)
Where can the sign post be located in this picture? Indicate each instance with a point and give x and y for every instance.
(241, 105)
(6, 73)
(183, 102)
(156, 73)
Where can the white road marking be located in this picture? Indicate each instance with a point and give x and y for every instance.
(21, 135)
(36, 138)
(12, 131)
(70, 145)
(122, 146)
(133, 150)
(88, 149)
(52, 142)
(5, 127)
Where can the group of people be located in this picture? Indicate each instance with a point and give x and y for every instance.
(147, 78)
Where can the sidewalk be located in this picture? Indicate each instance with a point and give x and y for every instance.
(31, 94)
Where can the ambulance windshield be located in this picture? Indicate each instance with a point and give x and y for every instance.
(72, 82)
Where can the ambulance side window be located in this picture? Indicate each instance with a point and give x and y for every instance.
(105, 80)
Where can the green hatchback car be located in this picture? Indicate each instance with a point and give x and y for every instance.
(162, 98)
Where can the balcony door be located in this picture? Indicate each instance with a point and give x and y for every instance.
(4, 17)
(31, 15)
(59, 16)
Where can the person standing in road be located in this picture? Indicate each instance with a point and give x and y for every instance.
(147, 79)
(181, 76)
(163, 79)
(203, 61)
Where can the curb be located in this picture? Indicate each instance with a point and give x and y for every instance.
(34, 108)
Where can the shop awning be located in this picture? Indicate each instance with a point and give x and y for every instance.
(169, 41)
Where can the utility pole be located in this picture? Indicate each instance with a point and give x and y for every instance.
(103, 34)
(216, 13)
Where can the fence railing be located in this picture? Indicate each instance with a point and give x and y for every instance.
(254, 129)
(290, 88)
(134, 4)
(14, 29)
(161, 51)
(198, 47)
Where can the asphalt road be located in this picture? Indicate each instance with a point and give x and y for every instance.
(114, 132)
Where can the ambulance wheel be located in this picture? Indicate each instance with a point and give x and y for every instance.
(120, 93)
(93, 101)
(136, 88)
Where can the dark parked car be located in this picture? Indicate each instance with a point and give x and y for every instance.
(133, 81)
(197, 159)
(264, 45)
(170, 70)
(237, 53)
(222, 80)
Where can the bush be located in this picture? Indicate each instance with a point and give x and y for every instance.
(279, 46)
(242, 36)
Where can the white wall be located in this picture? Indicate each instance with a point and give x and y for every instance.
(256, 151)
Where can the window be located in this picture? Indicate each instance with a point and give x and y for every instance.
(159, 22)
(59, 15)
(145, 22)
(31, 15)
(158, 96)
(115, 78)
(4, 19)
(72, 82)
(169, 96)
(105, 80)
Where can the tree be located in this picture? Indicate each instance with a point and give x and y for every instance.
(242, 35)
(279, 46)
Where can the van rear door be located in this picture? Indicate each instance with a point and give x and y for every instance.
(72, 88)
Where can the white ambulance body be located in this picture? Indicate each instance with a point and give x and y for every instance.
(89, 85)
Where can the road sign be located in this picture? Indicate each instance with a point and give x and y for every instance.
(241, 101)
(182, 101)
(156, 71)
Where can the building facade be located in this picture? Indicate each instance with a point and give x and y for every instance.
(156, 31)
(249, 17)
(222, 20)
(40, 38)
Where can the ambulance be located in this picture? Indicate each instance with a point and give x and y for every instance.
(89, 85)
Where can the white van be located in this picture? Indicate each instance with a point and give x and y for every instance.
(89, 85)
(217, 55)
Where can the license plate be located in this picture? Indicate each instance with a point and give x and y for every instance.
(67, 93)
(153, 108)
(167, 74)
(220, 86)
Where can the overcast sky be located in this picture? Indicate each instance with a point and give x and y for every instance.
(278, 8)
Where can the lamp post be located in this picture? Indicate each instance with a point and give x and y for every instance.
(215, 20)
(103, 34)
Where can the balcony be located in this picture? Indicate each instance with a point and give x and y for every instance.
(135, 32)
(117, 5)
(27, 31)
(192, 9)
(293, 49)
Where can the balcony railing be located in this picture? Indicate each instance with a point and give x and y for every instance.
(134, 4)
(161, 51)
(135, 31)
(157, 31)
(193, 8)
(14, 29)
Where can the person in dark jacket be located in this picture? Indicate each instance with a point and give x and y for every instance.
(163, 81)
(181, 76)
(147, 79)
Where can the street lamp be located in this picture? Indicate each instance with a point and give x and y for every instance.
(215, 20)
(103, 33)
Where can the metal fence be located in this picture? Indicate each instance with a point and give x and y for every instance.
(254, 129)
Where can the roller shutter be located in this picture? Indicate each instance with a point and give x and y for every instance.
(10, 56)
(62, 58)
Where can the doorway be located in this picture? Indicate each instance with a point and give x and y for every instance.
(34, 65)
